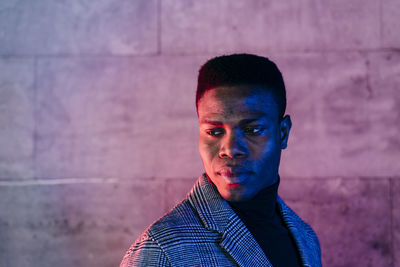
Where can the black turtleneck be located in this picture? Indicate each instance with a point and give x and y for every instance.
(261, 216)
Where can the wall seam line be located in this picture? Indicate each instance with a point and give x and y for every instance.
(35, 115)
(159, 29)
(391, 221)
(381, 43)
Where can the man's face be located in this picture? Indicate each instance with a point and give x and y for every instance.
(240, 140)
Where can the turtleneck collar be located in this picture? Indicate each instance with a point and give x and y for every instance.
(262, 206)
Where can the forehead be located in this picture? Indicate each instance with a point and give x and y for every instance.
(237, 102)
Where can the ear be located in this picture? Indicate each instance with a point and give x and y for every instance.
(285, 126)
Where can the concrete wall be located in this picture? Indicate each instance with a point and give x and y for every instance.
(98, 131)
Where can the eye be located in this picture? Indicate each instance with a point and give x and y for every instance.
(215, 131)
(253, 130)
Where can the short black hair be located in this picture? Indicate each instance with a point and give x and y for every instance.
(240, 69)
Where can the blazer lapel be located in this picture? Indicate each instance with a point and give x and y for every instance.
(241, 245)
(217, 215)
(296, 226)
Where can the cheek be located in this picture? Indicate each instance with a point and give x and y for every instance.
(266, 148)
(208, 149)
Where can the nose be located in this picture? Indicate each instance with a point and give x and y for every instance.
(232, 146)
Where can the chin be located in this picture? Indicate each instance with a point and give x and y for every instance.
(234, 197)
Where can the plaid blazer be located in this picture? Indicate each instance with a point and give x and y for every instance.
(203, 230)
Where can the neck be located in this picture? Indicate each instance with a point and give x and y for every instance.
(261, 205)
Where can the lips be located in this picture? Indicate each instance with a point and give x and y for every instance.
(230, 173)
(234, 176)
(233, 186)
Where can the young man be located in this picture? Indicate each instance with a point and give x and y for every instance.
(233, 215)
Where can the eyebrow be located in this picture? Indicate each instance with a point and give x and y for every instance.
(244, 121)
(250, 120)
(205, 121)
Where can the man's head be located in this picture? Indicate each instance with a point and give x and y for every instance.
(240, 69)
(241, 102)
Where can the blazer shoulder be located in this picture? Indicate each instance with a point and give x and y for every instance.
(176, 223)
(148, 250)
(145, 251)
